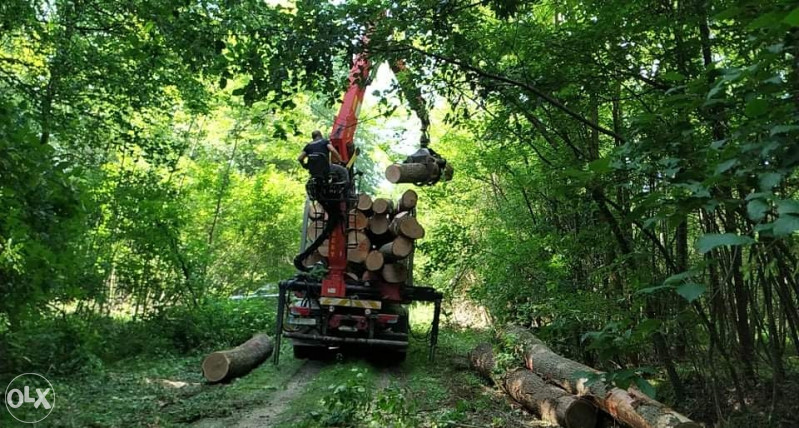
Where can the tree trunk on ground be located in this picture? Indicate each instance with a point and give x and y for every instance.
(411, 172)
(364, 202)
(395, 273)
(357, 220)
(382, 206)
(407, 201)
(378, 224)
(232, 363)
(630, 407)
(358, 246)
(406, 225)
(374, 261)
(397, 249)
(553, 404)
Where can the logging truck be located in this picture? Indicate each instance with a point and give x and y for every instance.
(355, 265)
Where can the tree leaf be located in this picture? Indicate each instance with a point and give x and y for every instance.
(600, 165)
(792, 18)
(691, 291)
(645, 387)
(650, 290)
(782, 129)
(787, 206)
(768, 180)
(786, 225)
(673, 76)
(679, 277)
(726, 165)
(756, 209)
(756, 107)
(763, 21)
(710, 241)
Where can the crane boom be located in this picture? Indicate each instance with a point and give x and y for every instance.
(371, 310)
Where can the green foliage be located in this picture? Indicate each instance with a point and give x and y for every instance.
(80, 344)
(350, 403)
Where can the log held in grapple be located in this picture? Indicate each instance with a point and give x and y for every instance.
(423, 170)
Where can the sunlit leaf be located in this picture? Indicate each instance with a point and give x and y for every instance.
(710, 241)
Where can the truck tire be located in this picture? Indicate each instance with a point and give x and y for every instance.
(311, 352)
(394, 357)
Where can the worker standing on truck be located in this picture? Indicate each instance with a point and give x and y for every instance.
(322, 146)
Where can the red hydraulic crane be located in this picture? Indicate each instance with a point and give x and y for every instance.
(337, 312)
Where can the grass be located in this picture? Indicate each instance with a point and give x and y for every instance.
(168, 390)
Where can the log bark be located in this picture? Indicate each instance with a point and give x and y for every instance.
(397, 249)
(358, 246)
(316, 211)
(407, 201)
(315, 229)
(324, 249)
(364, 203)
(411, 172)
(312, 259)
(395, 273)
(232, 363)
(374, 261)
(630, 407)
(378, 224)
(406, 225)
(357, 220)
(553, 404)
(382, 206)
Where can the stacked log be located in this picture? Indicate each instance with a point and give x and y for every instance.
(630, 407)
(380, 233)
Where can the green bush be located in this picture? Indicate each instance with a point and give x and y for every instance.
(76, 342)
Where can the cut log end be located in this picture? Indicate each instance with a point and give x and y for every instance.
(374, 261)
(225, 365)
(411, 173)
(358, 246)
(216, 367)
(382, 206)
(378, 224)
(581, 413)
(364, 202)
(408, 200)
(393, 173)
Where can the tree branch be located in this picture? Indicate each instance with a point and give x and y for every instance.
(538, 92)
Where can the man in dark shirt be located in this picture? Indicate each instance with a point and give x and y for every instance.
(322, 146)
(319, 145)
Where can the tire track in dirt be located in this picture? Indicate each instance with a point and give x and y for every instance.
(271, 412)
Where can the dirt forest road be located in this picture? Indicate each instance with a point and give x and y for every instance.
(272, 411)
(440, 394)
